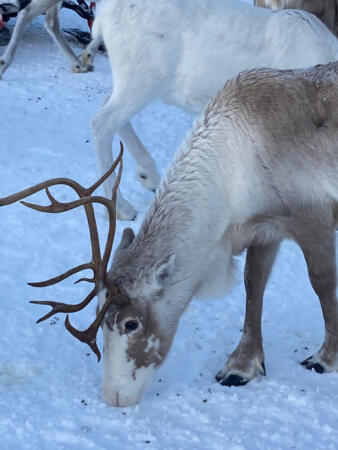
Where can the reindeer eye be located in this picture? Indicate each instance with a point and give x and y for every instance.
(130, 325)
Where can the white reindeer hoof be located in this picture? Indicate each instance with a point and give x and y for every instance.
(87, 60)
(125, 211)
(122, 215)
(81, 68)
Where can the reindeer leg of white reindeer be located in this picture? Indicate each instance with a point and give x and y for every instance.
(104, 125)
(318, 244)
(104, 158)
(146, 171)
(247, 360)
(52, 25)
(23, 19)
(130, 95)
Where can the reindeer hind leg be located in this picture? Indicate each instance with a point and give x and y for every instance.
(114, 116)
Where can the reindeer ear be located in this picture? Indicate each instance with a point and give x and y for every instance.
(127, 238)
(164, 269)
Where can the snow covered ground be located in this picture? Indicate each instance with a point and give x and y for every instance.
(49, 382)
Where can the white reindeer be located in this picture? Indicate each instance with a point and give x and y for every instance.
(51, 8)
(256, 168)
(325, 10)
(182, 52)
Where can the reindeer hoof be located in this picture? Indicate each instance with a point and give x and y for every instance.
(234, 377)
(80, 68)
(130, 215)
(309, 364)
(231, 380)
(87, 61)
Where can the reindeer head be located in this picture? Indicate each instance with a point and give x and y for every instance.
(136, 339)
(131, 346)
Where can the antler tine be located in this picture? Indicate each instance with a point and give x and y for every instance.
(63, 207)
(58, 207)
(94, 186)
(88, 336)
(88, 280)
(61, 277)
(112, 216)
(80, 190)
(58, 307)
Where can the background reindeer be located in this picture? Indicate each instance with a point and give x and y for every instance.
(325, 10)
(181, 53)
(256, 168)
(51, 8)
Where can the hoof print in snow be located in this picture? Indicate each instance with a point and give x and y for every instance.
(308, 364)
(54, 321)
(231, 380)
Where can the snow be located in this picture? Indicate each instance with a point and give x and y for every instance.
(49, 382)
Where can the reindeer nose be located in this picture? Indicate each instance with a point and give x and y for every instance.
(117, 399)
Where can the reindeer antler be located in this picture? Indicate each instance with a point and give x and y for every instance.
(97, 264)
